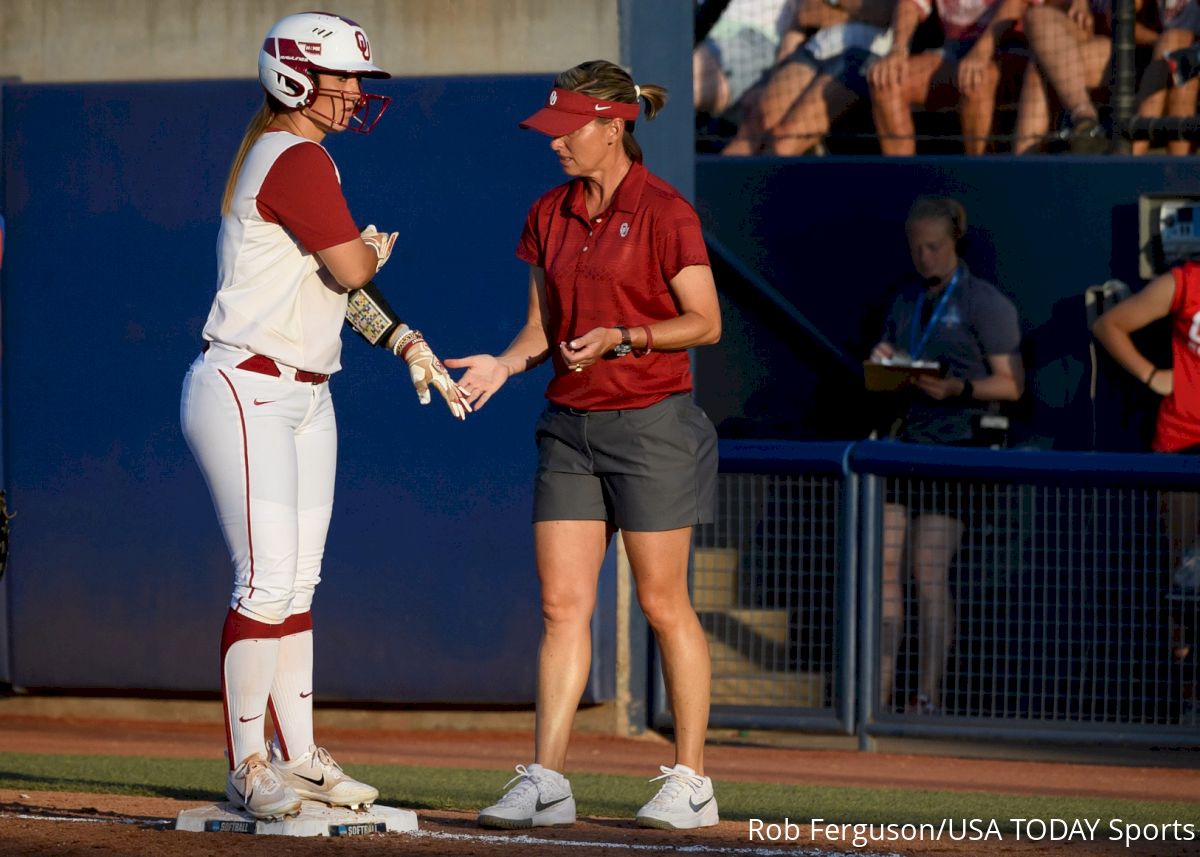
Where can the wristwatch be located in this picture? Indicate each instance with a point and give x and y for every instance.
(626, 345)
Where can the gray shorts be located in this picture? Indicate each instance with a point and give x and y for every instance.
(644, 470)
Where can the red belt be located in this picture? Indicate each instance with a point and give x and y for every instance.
(266, 366)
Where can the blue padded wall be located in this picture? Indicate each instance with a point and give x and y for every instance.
(119, 577)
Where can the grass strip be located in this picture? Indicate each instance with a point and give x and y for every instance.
(605, 795)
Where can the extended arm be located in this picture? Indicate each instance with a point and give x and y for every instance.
(485, 373)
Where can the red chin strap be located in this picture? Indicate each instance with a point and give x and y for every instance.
(360, 113)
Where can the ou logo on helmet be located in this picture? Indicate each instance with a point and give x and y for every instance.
(364, 47)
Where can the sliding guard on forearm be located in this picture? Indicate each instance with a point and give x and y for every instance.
(370, 315)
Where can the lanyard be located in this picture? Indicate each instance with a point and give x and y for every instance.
(918, 340)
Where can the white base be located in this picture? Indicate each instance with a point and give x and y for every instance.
(315, 819)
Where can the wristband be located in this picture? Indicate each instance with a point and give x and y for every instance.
(1150, 377)
(649, 339)
(405, 340)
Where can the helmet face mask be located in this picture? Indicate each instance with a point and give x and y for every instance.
(301, 46)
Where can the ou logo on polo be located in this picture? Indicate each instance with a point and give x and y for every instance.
(364, 47)
(624, 229)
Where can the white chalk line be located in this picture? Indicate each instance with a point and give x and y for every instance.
(526, 839)
(515, 839)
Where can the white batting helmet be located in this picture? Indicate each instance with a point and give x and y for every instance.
(312, 42)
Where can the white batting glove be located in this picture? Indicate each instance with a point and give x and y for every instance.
(381, 242)
(427, 371)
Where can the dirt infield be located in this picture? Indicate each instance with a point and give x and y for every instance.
(43, 823)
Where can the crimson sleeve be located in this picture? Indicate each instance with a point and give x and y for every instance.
(303, 195)
(678, 239)
(529, 249)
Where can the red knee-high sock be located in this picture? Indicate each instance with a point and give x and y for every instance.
(249, 651)
(292, 689)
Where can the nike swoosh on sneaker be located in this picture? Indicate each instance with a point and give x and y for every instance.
(249, 719)
(696, 807)
(321, 781)
(539, 806)
(306, 695)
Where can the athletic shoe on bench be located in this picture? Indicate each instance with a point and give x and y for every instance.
(316, 776)
(255, 786)
(685, 801)
(540, 798)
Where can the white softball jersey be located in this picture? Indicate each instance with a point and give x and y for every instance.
(271, 298)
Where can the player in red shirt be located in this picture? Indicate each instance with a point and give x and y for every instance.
(619, 288)
(1175, 294)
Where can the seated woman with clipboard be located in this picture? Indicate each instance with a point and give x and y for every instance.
(950, 343)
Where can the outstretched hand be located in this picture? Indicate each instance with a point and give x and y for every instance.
(484, 376)
(427, 371)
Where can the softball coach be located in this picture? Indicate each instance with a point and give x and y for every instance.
(619, 288)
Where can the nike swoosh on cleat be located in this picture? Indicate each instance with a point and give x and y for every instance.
(249, 719)
(539, 806)
(321, 781)
(696, 807)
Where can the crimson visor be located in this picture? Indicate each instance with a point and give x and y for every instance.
(566, 111)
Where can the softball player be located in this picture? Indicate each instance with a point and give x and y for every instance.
(256, 408)
(619, 289)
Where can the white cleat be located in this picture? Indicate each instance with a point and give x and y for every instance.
(255, 786)
(685, 801)
(540, 798)
(315, 776)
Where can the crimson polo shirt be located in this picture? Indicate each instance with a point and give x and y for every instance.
(613, 269)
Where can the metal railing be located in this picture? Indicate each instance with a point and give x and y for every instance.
(1057, 617)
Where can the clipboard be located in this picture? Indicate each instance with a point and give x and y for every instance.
(888, 377)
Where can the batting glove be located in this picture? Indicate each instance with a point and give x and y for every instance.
(427, 371)
(381, 242)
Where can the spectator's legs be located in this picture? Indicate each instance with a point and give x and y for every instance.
(1152, 94)
(892, 104)
(710, 87)
(659, 561)
(1181, 101)
(810, 117)
(891, 605)
(977, 110)
(787, 83)
(935, 541)
(1033, 112)
(1071, 61)
(569, 555)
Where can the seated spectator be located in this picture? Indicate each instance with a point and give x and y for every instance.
(820, 81)
(948, 315)
(1157, 94)
(963, 73)
(1174, 295)
(1071, 46)
(745, 42)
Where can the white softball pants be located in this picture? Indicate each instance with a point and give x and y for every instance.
(268, 449)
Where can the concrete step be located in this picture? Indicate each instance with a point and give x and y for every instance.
(715, 578)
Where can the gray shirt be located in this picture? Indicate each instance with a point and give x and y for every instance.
(976, 321)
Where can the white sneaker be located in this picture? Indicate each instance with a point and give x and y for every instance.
(685, 800)
(316, 776)
(540, 798)
(255, 786)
